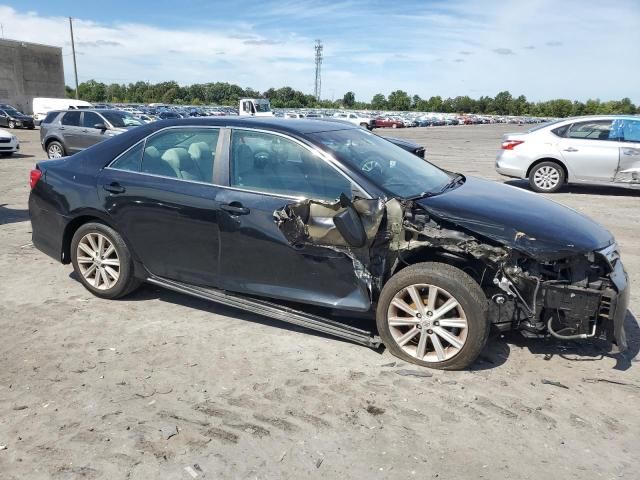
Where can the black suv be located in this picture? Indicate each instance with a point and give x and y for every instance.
(66, 132)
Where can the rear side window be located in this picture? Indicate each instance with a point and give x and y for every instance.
(71, 119)
(130, 160)
(185, 153)
(50, 117)
(594, 130)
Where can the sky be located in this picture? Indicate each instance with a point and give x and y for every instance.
(544, 49)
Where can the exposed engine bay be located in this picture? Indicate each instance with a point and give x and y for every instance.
(568, 295)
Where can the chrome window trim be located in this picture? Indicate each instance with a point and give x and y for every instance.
(313, 149)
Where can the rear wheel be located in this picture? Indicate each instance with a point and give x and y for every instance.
(55, 150)
(102, 261)
(546, 177)
(434, 315)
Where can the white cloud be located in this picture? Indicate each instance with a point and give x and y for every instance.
(540, 48)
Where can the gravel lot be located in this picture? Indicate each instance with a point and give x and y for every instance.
(93, 389)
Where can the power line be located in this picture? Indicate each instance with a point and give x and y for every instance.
(318, 85)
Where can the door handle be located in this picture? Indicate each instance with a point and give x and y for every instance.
(61, 128)
(235, 208)
(114, 188)
(570, 149)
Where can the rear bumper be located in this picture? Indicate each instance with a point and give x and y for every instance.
(47, 228)
(510, 165)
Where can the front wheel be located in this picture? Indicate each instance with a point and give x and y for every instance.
(12, 124)
(434, 315)
(102, 260)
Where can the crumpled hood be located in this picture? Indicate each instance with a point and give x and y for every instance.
(519, 219)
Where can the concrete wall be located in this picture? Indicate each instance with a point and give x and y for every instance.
(29, 70)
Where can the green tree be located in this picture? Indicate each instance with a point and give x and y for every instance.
(379, 102)
(502, 103)
(349, 99)
(399, 100)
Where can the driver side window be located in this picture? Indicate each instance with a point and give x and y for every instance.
(274, 164)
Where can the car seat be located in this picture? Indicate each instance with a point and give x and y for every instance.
(182, 163)
(201, 154)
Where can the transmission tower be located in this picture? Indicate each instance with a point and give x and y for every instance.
(318, 86)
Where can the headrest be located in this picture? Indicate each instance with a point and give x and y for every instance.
(200, 151)
(178, 158)
(152, 152)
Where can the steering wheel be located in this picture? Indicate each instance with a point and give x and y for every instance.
(372, 163)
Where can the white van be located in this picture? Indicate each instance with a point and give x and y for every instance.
(42, 106)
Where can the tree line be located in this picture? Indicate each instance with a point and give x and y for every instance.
(222, 93)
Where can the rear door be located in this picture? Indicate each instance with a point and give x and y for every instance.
(70, 131)
(591, 150)
(266, 172)
(162, 198)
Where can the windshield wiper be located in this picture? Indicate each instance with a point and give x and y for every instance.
(457, 178)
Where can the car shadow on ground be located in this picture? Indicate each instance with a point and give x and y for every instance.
(17, 155)
(494, 354)
(584, 189)
(584, 351)
(12, 215)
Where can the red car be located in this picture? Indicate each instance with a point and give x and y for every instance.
(388, 122)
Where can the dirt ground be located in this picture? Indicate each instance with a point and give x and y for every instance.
(163, 386)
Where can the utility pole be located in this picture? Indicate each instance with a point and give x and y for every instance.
(2, 28)
(73, 51)
(318, 85)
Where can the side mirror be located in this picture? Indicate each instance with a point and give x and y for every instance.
(350, 226)
(100, 126)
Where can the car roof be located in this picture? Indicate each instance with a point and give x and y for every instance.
(285, 125)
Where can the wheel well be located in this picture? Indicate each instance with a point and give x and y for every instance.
(51, 139)
(70, 230)
(475, 268)
(554, 160)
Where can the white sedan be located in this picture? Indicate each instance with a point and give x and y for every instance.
(602, 150)
(9, 144)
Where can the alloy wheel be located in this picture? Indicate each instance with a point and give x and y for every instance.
(427, 322)
(546, 178)
(98, 261)
(54, 151)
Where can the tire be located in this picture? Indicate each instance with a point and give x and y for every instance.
(12, 124)
(547, 177)
(31, 127)
(393, 125)
(55, 150)
(111, 288)
(469, 313)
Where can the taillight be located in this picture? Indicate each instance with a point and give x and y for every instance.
(34, 176)
(511, 144)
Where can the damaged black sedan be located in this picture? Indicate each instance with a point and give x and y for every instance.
(271, 215)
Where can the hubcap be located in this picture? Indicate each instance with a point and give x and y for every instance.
(98, 261)
(546, 178)
(55, 151)
(427, 322)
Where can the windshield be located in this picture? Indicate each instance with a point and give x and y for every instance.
(395, 170)
(262, 107)
(12, 111)
(121, 119)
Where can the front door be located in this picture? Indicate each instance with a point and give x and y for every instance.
(161, 193)
(591, 151)
(267, 172)
(89, 135)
